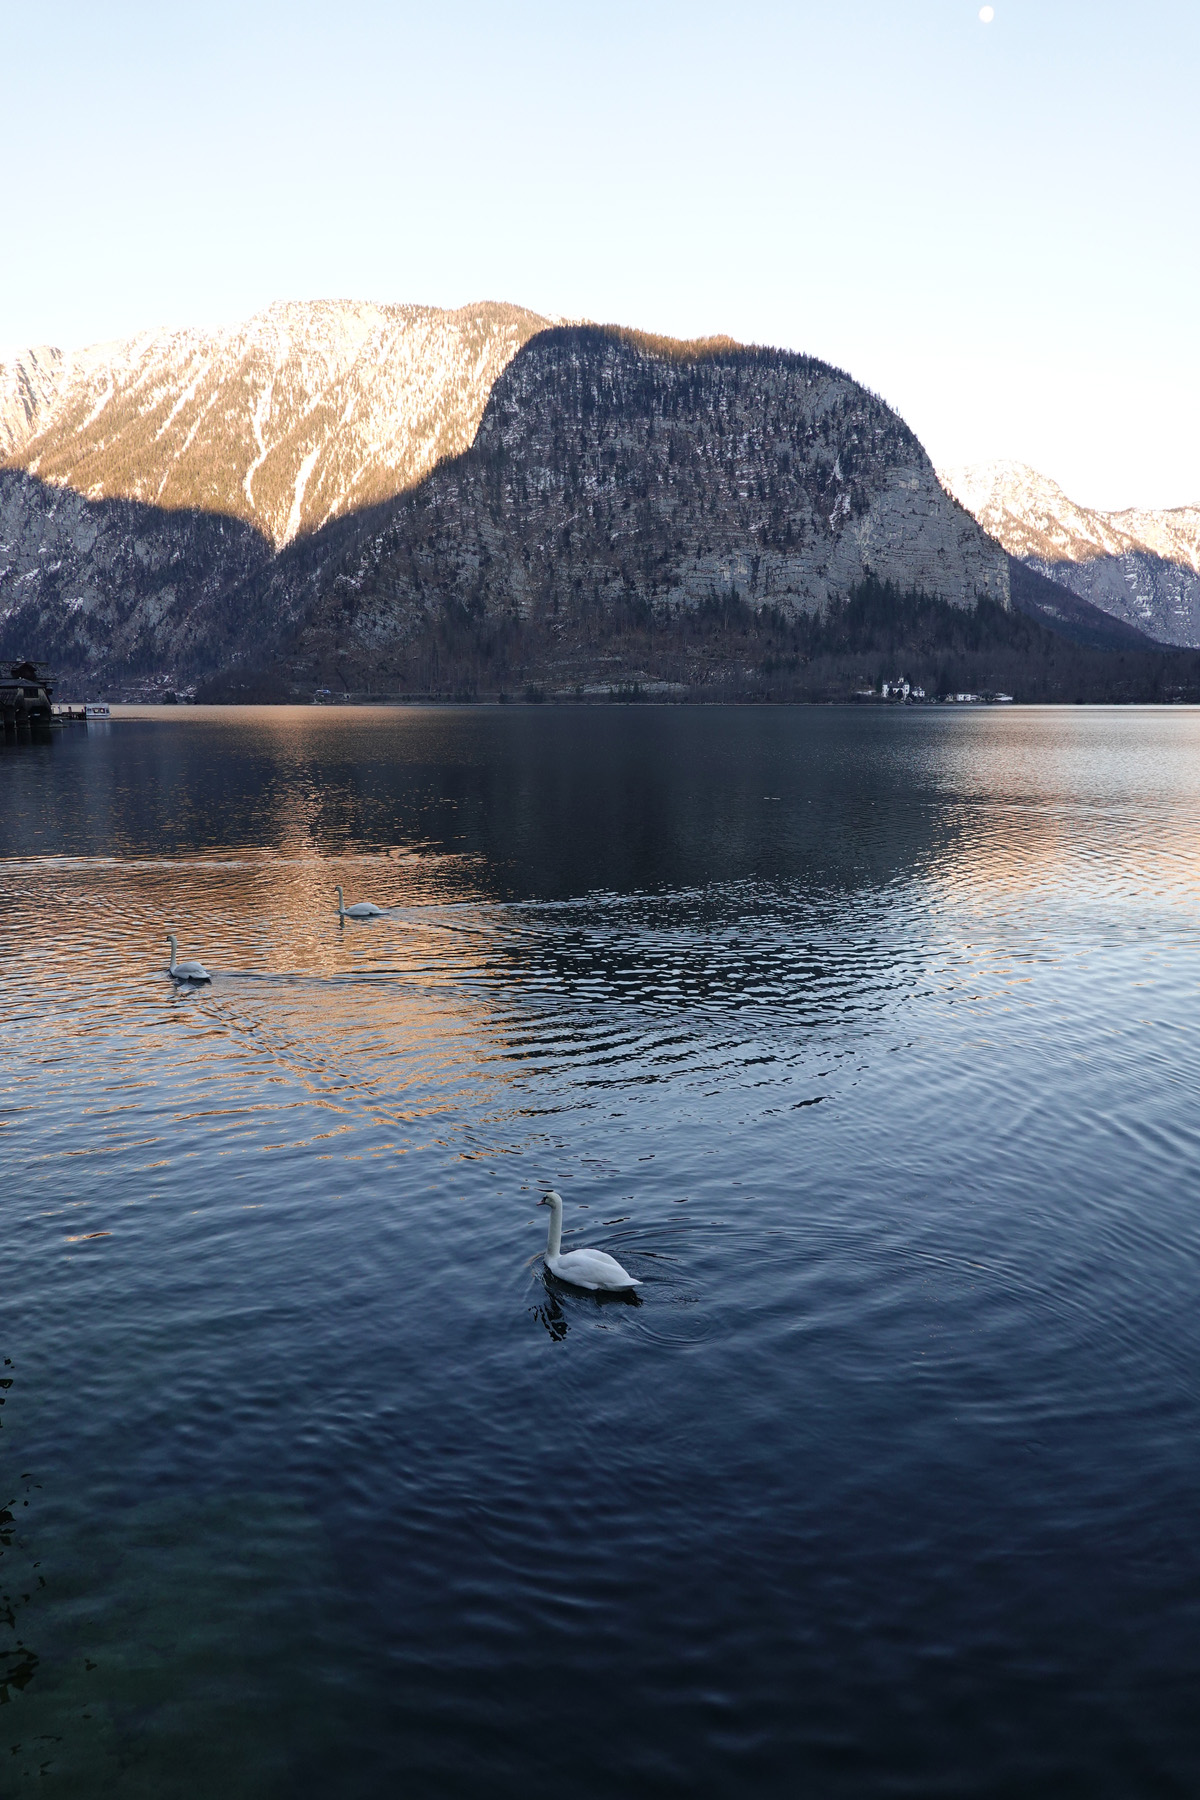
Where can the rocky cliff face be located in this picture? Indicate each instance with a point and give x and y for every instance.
(114, 589)
(330, 478)
(1140, 566)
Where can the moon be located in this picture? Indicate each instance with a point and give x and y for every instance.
(987, 14)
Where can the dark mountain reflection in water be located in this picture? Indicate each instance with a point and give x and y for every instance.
(867, 1040)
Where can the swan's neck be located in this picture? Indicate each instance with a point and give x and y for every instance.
(554, 1241)
(341, 905)
(171, 941)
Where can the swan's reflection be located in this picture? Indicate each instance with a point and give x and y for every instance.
(555, 1315)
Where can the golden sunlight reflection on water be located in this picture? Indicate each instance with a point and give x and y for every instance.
(374, 1021)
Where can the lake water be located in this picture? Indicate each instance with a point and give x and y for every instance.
(869, 1040)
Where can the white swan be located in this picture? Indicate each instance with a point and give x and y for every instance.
(185, 971)
(593, 1269)
(362, 909)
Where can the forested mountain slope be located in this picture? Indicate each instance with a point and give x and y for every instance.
(612, 468)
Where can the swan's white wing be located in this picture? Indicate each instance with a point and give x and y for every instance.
(591, 1269)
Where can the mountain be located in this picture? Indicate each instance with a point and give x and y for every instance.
(1140, 566)
(301, 414)
(337, 480)
(146, 484)
(613, 469)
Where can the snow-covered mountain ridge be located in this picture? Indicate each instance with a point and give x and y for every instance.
(303, 413)
(1139, 564)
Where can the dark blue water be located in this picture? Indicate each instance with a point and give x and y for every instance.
(868, 1040)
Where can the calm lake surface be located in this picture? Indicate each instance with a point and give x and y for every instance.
(869, 1040)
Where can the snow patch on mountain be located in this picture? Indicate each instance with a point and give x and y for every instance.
(29, 386)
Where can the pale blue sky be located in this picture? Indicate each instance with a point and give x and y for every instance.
(996, 226)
